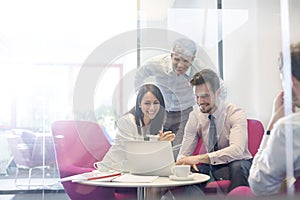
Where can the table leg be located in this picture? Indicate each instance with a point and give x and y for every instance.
(141, 194)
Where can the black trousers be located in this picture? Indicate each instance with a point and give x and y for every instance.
(236, 171)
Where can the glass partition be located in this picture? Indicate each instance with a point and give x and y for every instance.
(43, 48)
(77, 61)
(242, 29)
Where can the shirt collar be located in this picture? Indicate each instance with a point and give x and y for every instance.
(219, 109)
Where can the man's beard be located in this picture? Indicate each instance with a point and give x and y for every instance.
(205, 111)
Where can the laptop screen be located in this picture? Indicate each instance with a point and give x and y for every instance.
(149, 157)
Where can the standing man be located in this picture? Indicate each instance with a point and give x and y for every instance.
(173, 73)
(223, 129)
(268, 172)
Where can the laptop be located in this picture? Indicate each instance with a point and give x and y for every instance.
(153, 158)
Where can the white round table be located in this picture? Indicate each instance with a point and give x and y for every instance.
(159, 182)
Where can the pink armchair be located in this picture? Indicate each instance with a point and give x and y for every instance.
(78, 145)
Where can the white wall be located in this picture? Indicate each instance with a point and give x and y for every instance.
(251, 56)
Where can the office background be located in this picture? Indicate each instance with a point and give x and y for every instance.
(45, 44)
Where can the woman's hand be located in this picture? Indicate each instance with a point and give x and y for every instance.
(166, 136)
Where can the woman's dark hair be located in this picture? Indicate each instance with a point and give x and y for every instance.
(157, 122)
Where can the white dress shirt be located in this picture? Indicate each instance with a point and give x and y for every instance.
(268, 169)
(231, 125)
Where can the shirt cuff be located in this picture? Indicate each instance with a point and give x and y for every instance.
(213, 158)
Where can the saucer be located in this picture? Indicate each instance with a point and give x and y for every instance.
(177, 178)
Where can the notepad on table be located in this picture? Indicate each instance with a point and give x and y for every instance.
(130, 178)
(92, 176)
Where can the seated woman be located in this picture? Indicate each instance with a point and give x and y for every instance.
(142, 122)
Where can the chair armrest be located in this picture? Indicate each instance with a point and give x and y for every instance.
(73, 170)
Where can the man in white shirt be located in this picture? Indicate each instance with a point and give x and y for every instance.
(268, 171)
(228, 156)
(172, 73)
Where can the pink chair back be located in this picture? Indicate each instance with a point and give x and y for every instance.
(26, 148)
(255, 134)
(21, 151)
(200, 148)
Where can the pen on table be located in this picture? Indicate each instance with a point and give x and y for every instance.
(106, 176)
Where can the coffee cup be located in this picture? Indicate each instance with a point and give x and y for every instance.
(181, 170)
(107, 166)
(103, 166)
